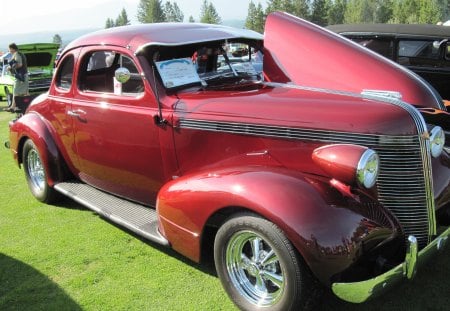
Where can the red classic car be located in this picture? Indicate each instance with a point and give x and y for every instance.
(314, 170)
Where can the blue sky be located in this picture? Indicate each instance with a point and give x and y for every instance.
(56, 15)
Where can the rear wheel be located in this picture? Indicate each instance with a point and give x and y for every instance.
(258, 266)
(36, 174)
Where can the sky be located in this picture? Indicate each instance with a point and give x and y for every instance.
(57, 15)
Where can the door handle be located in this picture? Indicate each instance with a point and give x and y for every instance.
(77, 113)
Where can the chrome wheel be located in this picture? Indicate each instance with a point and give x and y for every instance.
(254, 269)
(35, 170)
(37, 174)
(258, 266)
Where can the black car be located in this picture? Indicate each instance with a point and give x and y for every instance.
(424, 49)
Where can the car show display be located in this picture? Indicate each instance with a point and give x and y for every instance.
(291, 167)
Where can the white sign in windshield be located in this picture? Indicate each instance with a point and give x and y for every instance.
(177, 72)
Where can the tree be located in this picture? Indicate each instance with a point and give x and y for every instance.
(429, 12)
(255, 17)
(383, 12)
(444, 6)
(280, 5)
(173, 12)
(57, 39)
(301, 8)
(109, 23)
(191, 19)
(368, 11)
(336, 12)
(319, 12)
(208, 13)
(150, 11)
(122, 19)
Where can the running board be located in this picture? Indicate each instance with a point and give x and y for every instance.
(135, 217)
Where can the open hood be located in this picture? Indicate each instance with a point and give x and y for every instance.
(39, 55)
(299, 52)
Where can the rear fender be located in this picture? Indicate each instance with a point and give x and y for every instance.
(325, 226)
(32, 126)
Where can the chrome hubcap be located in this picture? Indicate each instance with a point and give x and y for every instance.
(254, 269)
(36, 170)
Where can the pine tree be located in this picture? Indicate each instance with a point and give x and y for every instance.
(150, 11)
(336, 12)
(122, 19)
(109, 23)
(301, 8)
(173, 12)
(319, 12)
(251, 16)
(260, 19)
(191, 19)
(208, 14)
(255, 17)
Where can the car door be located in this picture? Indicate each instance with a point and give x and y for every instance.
(117, 142)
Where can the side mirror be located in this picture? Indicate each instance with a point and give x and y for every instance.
(437, 44)
(122, 75)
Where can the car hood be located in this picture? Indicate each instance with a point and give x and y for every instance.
(299, 52)
(39, 55)
(281, 105)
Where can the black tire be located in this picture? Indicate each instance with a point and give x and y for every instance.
(9, 97)
(36, 174)
(281, 283)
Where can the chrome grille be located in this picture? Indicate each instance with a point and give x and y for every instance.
(402, 184)
(40, 84)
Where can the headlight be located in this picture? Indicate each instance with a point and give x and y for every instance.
(437, 141)
(351, 164)
(367, 169)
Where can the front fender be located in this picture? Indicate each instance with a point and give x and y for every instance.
(325, 226)
(32, 126)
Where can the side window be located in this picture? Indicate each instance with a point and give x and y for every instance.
(65, 73)
(97, 74)
(383, 46)
(135, 85)
(418, 53)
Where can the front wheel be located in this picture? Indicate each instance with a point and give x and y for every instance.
(258, 266)
(36, 174)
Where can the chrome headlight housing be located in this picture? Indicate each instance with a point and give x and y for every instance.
(368, 169)
(437, 141)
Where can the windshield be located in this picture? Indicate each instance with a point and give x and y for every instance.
(208, 64)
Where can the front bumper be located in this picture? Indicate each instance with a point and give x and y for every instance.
(358, 292)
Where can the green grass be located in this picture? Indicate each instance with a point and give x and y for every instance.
(67, 258)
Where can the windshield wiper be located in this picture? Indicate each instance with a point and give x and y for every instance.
(227, 61)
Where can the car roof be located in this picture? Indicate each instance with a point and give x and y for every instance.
(136, 37)
(392, 29)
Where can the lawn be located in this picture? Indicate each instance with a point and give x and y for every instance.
(67, 258)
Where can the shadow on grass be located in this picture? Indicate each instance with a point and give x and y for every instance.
(24, 288)
(207, 266)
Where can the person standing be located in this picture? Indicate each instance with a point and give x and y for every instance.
(18, 67)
